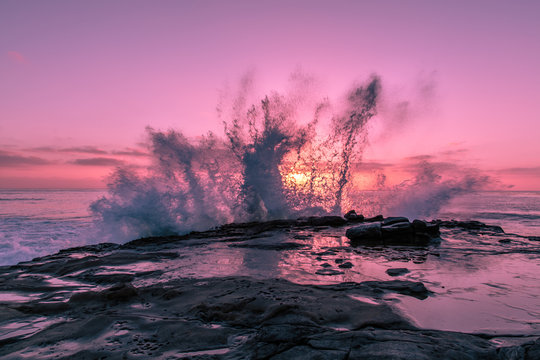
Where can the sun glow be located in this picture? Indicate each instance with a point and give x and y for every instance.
(298, 179)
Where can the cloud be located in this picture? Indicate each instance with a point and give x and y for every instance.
(9, 159)
(366, 166)
(76, 149)
(98, 161)
(523, 171)
(42, 149)
(17, 57)
(130, 152)
(460, 152)
(89, 150)
(84, 150)
(414, 163)
(418, 158)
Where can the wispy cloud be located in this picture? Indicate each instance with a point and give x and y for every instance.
(420, 158)
(84, 150)
(76, 149)
(97, 161)
(17, 57)
(89, 150)
(366, 166)
(130, 152)
(524, 171)
(461, 152)
(9, 159)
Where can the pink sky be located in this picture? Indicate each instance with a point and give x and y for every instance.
(79, 81)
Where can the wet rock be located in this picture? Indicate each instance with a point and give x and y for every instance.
(397, 229)
(374, 218)
(326, 221)
(276, 247)
(511, 353)
(329, 272)
(394, 231)
(109, 278)
(245, 318)
(433, 229)
(346, 265)
(419, 225)
(370, 231)
(43, 307)
(120, 292)
(352, 216)
(532, 350)
(306, 352)
(392, 220)
(411, 288)
(468, 225)
(397, 271)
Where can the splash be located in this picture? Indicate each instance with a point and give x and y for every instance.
(284, 156)
(428, 192)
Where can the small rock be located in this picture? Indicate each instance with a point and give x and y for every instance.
(346, 265)
(397, 271)
(329, 272)
(352, 216)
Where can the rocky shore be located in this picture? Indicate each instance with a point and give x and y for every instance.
(112, 301)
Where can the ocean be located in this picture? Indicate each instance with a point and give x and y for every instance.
(35, 223)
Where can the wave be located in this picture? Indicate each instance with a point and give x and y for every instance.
(283, 156)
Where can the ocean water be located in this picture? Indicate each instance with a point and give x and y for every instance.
(34, 223)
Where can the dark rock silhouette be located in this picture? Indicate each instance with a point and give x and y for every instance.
(397, 271)
(394, 231)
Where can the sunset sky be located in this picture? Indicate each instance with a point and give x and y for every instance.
(80, 80)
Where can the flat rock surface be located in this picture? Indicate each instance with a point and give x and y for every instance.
(277, 290)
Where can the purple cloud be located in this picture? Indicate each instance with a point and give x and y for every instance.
(97, 161)
(9, 159)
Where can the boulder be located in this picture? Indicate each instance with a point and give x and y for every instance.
(419, 225)
(397, 229)
(371, 231)
(374, 218)
(324, 221)
(394, 219)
